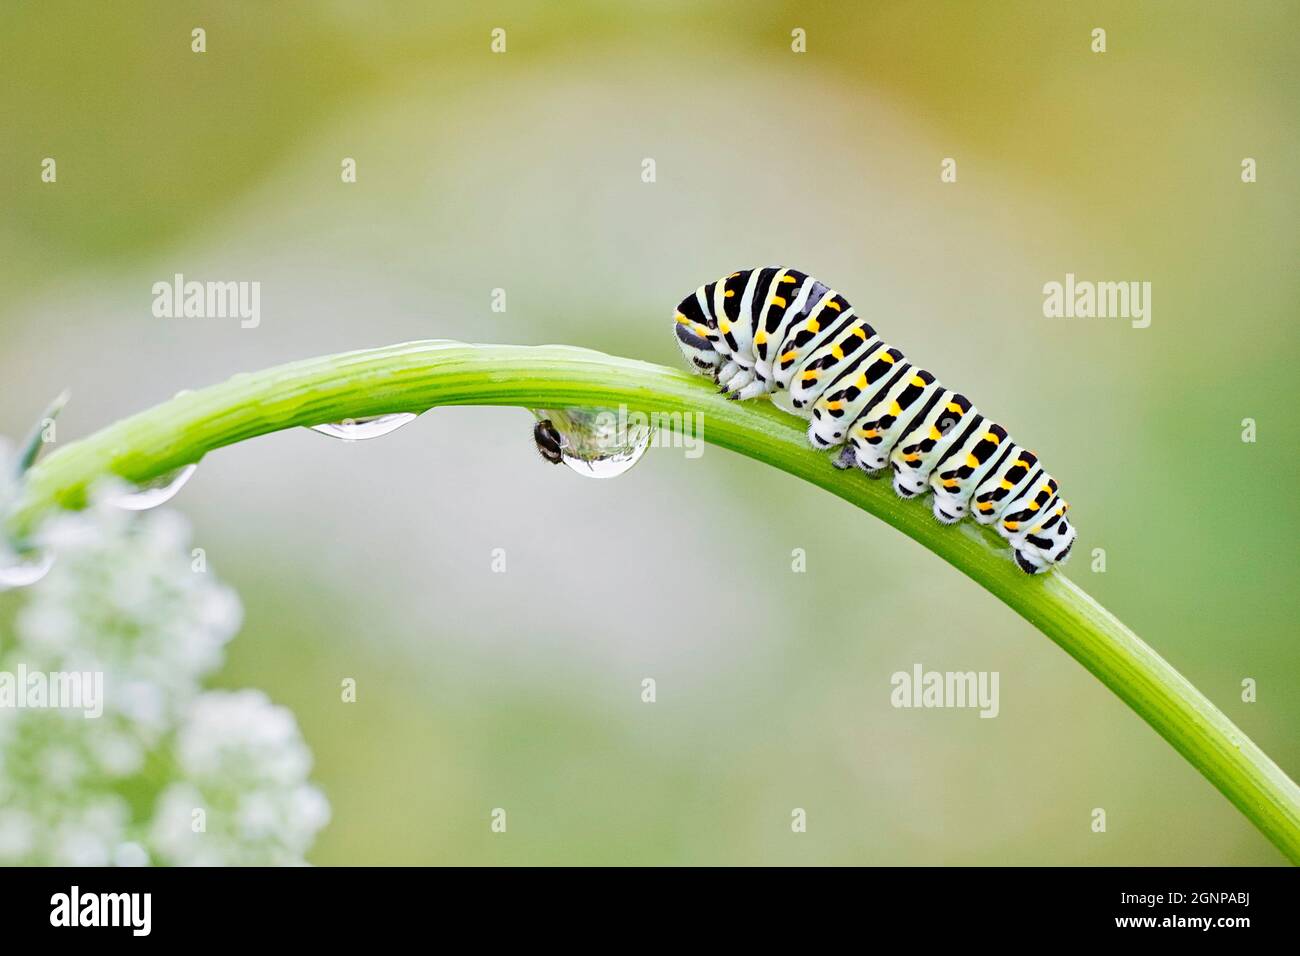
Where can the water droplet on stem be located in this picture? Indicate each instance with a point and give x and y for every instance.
(156, 491)
(360, 429)
(598, 442)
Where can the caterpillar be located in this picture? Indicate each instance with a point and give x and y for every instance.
(782, 333)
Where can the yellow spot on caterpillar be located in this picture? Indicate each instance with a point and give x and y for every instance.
(1011, 525)
(989, 436)
(725, 326)
(835, 406)
(861, 383)
(778, 301)
(702, 331)
(860, 332)
(1021, 463)
(837, 352)
(951, 483)
(682, 319)
(985, 506)
(918, 381)
(790, 279)
(810, 376)
(729, 293)
(887, 358)
(895, 410)
(954, 407)
(833, 305)
(1006, 486)
(871, 433)
(733, 275)
(790, 356)
(972, 461)
(934, 434)
(814, 326)
(761, 337)
(912, 457)
(1034, 506)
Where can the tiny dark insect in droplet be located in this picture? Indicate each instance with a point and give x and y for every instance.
(548, 441)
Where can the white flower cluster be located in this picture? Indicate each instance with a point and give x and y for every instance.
(242, 759)
(167, 773)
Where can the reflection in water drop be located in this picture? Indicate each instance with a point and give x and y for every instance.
(23, 573)
(155, 492)
(594, 442)
(359, 429)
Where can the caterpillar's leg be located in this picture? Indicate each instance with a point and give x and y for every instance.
(1028, 561)
(740, 380)
(752, 390)
(727, 371)
(870, 458)
(901, 488)
(943, 515)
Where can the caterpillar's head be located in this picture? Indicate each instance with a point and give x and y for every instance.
(693, 339)
(1039, 551)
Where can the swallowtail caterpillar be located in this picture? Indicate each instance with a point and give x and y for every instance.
(780, 332)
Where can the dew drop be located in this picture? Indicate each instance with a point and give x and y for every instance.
(156, 491)
(359, 429)
(598, 442)
(25, 573)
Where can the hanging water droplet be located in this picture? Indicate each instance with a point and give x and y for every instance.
(359, 429)
(156, 491)
(24, 572)
(594, 442)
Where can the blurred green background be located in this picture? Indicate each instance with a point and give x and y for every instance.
(522, 171)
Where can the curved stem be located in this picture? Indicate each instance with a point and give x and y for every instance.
(420, 375)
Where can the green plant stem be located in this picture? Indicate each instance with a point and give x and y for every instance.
(420, 375)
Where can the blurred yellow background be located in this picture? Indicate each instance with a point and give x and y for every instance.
(522, 171)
